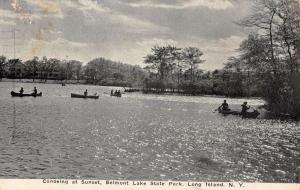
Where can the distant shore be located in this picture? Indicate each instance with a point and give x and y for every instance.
(127, 89)
(50, 81)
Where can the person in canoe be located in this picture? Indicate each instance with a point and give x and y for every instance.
(245, 108)
(34, 91)
(112, 92)
(85, 92)
(22, 90)
(116, 93)
(224, 106)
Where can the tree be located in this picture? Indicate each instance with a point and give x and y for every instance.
(77, 69)
(43, 68)
(288, 31)
(69, 69)
(236, 69)
(273, 52)
(278, 21)
(51, 65)
(91, 72)
(2, 64)
(191, 57)
(16, 68)
(32, 67)
(263, 18)
(96, 70)
(160, 58)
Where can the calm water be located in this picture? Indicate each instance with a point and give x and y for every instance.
(140, 137)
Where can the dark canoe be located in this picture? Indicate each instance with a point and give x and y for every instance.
(15, 94)
(228, 112)
(253, 114)
(83, 96)
(116, 95)
(132, 90)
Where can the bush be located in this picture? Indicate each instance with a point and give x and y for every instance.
(283, 97)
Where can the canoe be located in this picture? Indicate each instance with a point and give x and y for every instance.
(132, 90)
(116, 95)
(15, 94)
(229, 112)
(73, 95)
(251, 115)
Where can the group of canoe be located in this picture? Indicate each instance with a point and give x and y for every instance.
(224, 109)
(85, 95)
(73, 95)
(22, 94)
(117, 93)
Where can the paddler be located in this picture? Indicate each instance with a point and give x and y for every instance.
(244, 108)
(22, 90)
(224, 106)
(35, 91)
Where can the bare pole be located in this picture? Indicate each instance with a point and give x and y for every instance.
(13, 31)
(14, 37)
(14, 50)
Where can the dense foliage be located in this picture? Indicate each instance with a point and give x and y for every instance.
(105, 72)
(173, 69)
(273, 53)
(99, 71)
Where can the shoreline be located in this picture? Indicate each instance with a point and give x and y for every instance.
(39, 81)
(141, 91)
(199, 95)
(268, 114)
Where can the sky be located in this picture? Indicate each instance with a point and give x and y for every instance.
(121, 30)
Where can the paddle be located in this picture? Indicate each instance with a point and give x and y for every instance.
(214, 111)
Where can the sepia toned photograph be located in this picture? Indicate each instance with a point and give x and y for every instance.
(151, 90)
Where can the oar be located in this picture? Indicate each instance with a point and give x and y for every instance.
(214, 111)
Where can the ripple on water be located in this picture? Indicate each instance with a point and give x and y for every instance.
(140, 137)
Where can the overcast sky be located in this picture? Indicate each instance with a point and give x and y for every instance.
(121, 30)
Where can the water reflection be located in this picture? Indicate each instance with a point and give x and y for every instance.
(140, 137)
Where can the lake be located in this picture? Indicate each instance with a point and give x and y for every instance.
(140, 137)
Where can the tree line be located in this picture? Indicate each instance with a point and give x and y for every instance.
(170, 68)
(173, 69)
(99, 71)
